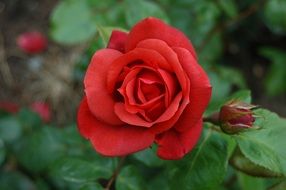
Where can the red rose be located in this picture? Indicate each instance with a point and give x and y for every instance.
(32, 42)
(145, 87)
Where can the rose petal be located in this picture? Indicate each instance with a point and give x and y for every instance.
(200, 92)
(168, 53)
(117, 40)
(173, 145)
(101, 102)
(153, 28)
(136, 120)
(130, 118)
(164, 126)
(85, 127)
(150, 58)
(170, 83)
(111, 140)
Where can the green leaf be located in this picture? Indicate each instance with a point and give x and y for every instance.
(275, 15)
(241, 163)
(136, 10)
(15, 180)
(279, 186)
(205, 167)
(40, 149)
(276, 76)
(247, 182)
(149, 157)
(233, 75)
(195, 17)
(29, 120)
(231, 144)
(77, 170)
(91, 186)
(105, 33)
(130, 179)
(2, 152)
(217, 101)
(74, 145)
(211, 52)
(158, 182)
(10, 129)
(72, 22)
(229, 7)
(265, 146)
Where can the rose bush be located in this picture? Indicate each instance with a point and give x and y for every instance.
(145, 87)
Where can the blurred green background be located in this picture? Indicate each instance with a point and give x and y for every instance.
(241, 45)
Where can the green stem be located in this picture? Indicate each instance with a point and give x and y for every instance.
(115, 173)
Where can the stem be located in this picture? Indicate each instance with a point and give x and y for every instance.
(214, 118)
(115, 173)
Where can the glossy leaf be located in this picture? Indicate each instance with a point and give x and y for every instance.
(196, 171)
(72, 22)
(229, 7)
(149, 157)
(276, 76)
(15, 180)
(247, 182)
(158, 181)
(39, 149)
(10, 129)
(195, 17)
(241, 163)
(275, 15)
(280, 186)
(79, 170)
(130, 179)
(136, 10)
(29, 120)
(265, 146)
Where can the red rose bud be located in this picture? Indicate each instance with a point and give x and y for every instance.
(32, 42)
(236, 116)
(43, 109)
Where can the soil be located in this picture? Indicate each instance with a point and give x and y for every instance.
(47, 76)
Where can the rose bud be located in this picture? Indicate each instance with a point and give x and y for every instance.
(43, 109)
(145, 87)
(236, 116)
(32, 42)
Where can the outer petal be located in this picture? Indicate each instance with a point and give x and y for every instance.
(200, 92)
(110, 140)
(101, 102)
(117, 40)
(168, 53)
(156, 29)
(173, 145)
